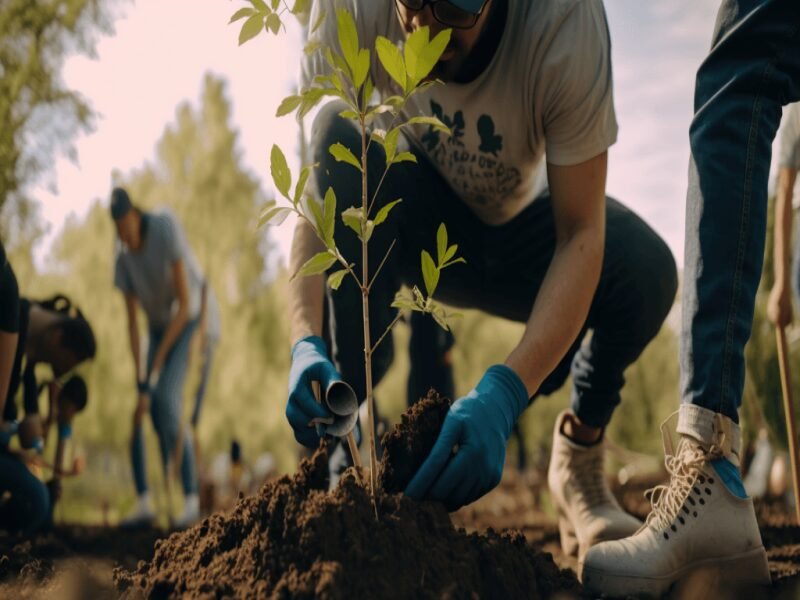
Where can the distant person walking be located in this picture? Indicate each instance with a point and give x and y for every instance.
(156, 269)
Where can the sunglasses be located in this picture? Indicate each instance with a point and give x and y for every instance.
(446, 12)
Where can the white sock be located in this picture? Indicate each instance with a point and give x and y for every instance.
(191, 503)
(145, 503)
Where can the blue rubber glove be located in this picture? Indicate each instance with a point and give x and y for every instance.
(310, 362)
(480, 424)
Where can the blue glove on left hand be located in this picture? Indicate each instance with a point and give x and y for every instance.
(480, 424)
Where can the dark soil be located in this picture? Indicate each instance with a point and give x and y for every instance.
(70, 562)
(295, 539)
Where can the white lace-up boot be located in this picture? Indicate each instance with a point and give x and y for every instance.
(698, 534)
(587, 511)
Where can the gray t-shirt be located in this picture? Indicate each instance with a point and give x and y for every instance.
(548, 90)
(147, 274)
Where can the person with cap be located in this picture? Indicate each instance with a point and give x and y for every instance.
(703, 521)
(520, 185)
(156, 269)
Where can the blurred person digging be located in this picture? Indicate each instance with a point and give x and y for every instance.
(155, 269)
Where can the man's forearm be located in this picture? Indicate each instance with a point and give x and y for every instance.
(306, 294)
(561, 307)
(783, 228)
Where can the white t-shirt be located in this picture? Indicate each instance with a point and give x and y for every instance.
(789, 152)
(547, 90)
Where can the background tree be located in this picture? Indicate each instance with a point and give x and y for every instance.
(40, 115)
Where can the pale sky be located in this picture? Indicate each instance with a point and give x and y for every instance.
(162, 48)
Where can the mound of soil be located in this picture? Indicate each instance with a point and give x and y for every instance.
(295, 539)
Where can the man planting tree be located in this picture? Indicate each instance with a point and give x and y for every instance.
(520, 184)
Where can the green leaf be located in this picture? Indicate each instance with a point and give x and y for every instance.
(275, 4)
(274, 216)
(300, 6)
(329, 217)
(348, 37)
(384, 211)
(280, 171)
(342, 154)
(310, 99)
(430, 273)
(274, 23)
(404, 157)
(455, 261)
(451, 252)
(311, 47)
(432, 121)
(404, 303)
(301, 183)
(349, 114)
(260, 5)
(320, 20)
(390, 144)
(431, 53)
(251, 28)
(441, 244)
(288, 105)
(318, 218)
(335, 279)
(241, 14)
(378, 135)
(367, 92)
(440, 318)
(392, 60)
(368, 229)
(361, 68)
(319, 263)
(352, 218)
(415, 44)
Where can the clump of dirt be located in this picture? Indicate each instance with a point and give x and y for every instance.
(407, 446)
(296, 539)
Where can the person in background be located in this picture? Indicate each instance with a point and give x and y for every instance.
(779, 304)
(9, 328)
(156, 270)
(703, 518)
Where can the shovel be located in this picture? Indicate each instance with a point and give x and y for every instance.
(342, 402)
(788, 407)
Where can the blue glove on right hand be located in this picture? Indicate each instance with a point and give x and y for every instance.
(310, 362)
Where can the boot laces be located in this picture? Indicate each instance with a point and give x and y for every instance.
(683, 466)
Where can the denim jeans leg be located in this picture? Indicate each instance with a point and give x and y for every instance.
(752, 70)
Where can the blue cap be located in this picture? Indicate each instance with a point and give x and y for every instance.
(473, 6)
(120, 203)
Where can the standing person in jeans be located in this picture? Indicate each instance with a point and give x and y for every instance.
(703, 517)
(156, 269)
(779, 305)
(529, 92)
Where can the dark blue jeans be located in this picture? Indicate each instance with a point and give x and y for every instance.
(502, 276)
(27, 508)
(753, 70)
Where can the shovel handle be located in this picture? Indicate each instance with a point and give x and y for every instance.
(788, 407)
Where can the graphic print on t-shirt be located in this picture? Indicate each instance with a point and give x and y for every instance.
(478, 177)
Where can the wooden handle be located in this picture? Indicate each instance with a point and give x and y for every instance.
(788, 408)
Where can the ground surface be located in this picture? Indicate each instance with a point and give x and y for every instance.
(78, 562)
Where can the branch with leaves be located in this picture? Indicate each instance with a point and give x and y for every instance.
(350, 81)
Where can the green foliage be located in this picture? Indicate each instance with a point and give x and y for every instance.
(40, 116)
(260, 16)
(199, 176)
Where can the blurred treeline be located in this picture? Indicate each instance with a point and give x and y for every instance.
(198, 173)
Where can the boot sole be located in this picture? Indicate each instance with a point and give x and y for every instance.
(739, 576)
